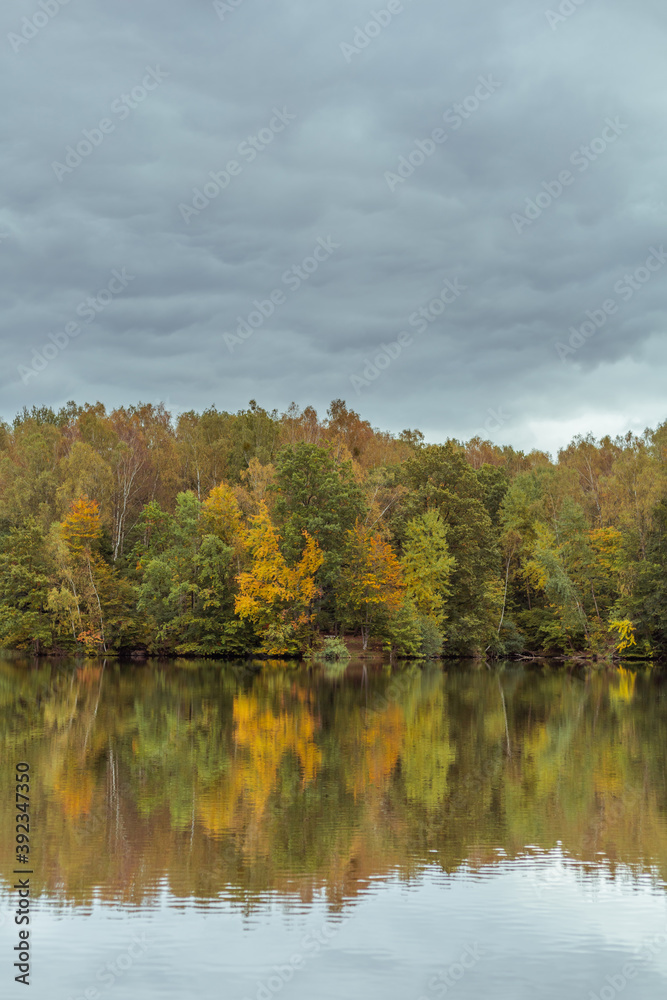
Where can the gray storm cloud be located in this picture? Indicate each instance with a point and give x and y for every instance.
(209, 149)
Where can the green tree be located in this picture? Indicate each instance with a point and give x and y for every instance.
(427, 571)
(320, 496)
(438, 478)
(25, 621)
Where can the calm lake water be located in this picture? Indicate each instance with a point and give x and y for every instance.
(252, 833)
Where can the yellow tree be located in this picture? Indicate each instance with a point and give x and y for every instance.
(276, 597)
(82, 527)
(372, 586)
(96, 599)
(221, 516)
(626, 634)
(81, 531)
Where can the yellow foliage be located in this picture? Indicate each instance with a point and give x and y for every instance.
(82, 526)
(374, 576)
(273, 595)
(626, 633)
(74, 790)
(625, 691)
(534, 570)
(606, 542)
(221, 515)
(378, 752)
(262, 739)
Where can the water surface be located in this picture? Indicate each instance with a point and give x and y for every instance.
(254, 832)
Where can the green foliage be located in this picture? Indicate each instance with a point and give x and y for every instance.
(495, 484)
(25, 622)
(427, 565)
(123, 530)
(402, 630)
(334, 648)
(431, 638)
(318, 495)
(438, 478)
(187, 584)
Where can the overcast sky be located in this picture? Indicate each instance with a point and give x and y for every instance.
(305, 110)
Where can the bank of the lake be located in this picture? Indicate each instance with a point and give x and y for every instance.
(223, 534)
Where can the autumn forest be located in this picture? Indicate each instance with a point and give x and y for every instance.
(288, 535)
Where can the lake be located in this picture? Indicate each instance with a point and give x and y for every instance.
(259, 831)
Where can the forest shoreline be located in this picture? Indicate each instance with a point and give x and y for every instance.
(376, 658)
(225, 535)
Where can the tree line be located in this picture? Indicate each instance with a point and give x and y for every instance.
(225, 534)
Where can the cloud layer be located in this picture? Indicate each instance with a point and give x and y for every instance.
(212, 150)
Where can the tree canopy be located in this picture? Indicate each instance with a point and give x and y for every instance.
(219, 533)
